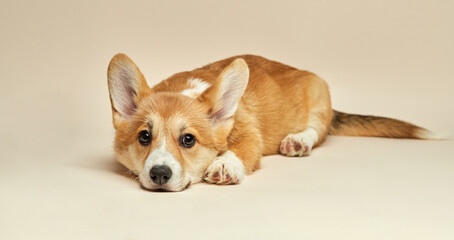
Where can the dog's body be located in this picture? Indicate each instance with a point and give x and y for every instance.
(216, 122)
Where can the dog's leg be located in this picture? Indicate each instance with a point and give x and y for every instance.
(241, 158)
(318, 121)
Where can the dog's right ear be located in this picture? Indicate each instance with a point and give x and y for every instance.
(127, 87)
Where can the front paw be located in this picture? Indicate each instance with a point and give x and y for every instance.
(226, 169)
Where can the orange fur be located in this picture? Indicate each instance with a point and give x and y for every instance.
(279, 100)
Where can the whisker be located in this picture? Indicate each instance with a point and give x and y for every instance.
(130, 174)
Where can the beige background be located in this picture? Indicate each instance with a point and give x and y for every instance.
(58, 178)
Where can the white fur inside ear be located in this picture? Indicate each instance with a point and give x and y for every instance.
(123, 87)
(234, 83)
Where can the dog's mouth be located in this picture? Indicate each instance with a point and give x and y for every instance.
(164, 189)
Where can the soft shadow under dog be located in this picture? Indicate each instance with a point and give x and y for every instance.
(107, 164)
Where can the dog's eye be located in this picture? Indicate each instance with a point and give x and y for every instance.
(188, 140)
(144, 138)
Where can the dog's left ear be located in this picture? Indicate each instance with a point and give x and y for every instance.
(224, 96)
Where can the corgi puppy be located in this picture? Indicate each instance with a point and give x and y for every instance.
(214, 123)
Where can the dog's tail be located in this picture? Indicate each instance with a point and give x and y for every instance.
(345, 124)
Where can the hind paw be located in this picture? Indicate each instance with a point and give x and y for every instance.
(299, 144)
(293, 146)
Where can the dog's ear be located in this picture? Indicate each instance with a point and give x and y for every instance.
(225, 94)
(127, 87)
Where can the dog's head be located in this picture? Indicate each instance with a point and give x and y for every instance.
(170, 138)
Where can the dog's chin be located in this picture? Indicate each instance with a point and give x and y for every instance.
(165, 187)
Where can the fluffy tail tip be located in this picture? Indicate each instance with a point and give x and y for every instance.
(428, 135)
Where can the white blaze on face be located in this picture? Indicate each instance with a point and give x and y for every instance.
(197, 87)
(160, 156)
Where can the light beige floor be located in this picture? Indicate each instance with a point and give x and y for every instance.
(58, 178)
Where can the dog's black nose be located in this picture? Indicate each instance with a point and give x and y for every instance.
(160, 174)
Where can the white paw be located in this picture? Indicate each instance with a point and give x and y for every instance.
(226, 169)
(299, 144)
